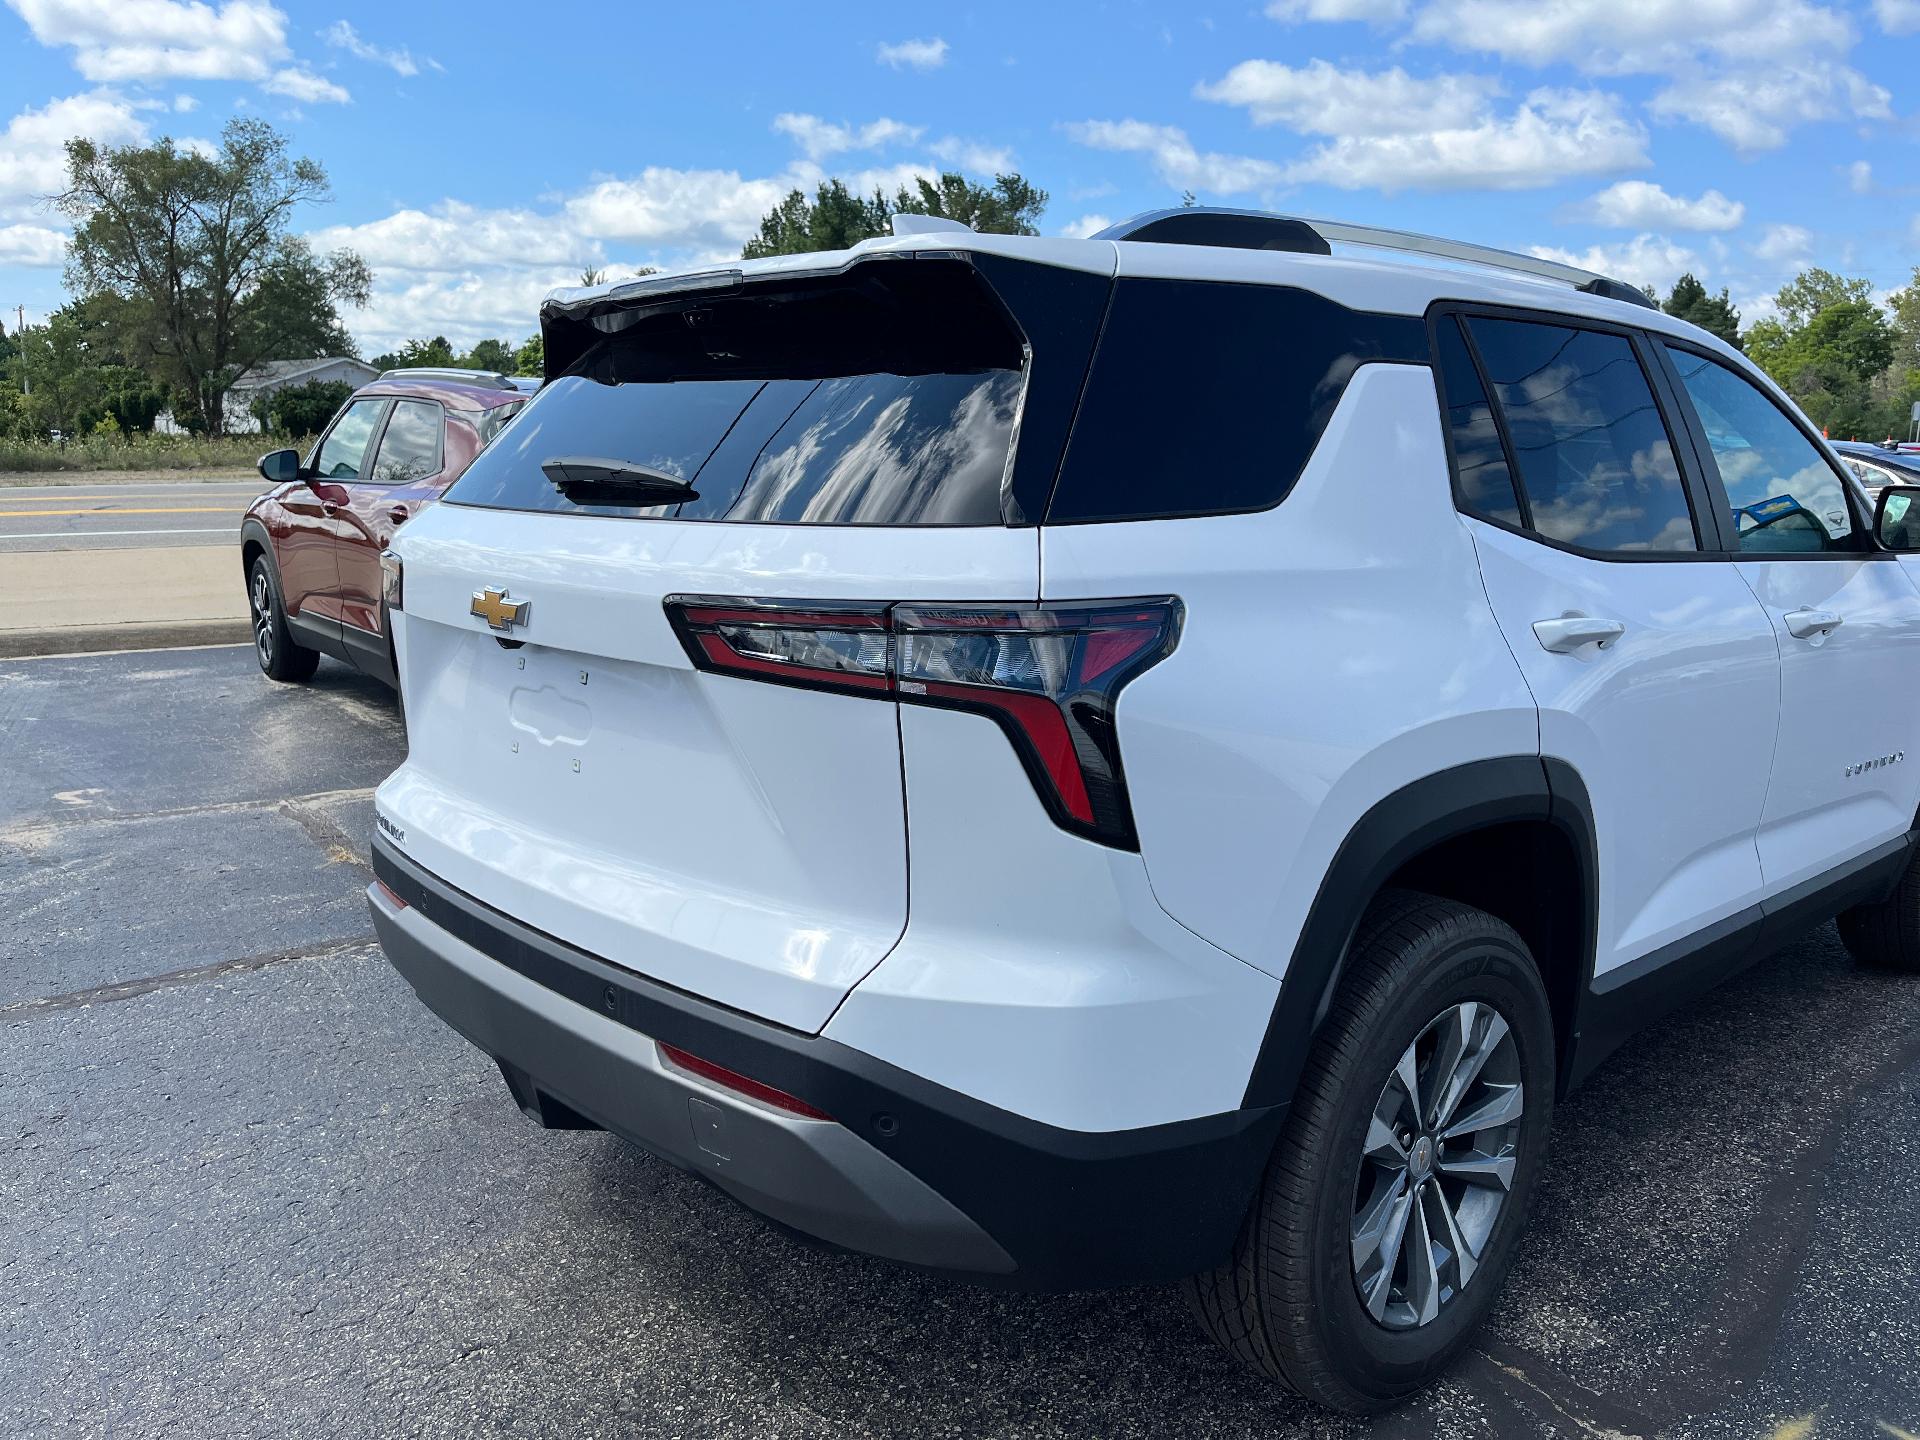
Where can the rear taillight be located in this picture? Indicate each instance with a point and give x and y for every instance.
(740, 1084)
(1048, 674)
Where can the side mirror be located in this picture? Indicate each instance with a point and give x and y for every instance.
(279, 467)
(1896, 518)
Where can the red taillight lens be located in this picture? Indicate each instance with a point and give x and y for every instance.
(742, 1084)
(1048, 674)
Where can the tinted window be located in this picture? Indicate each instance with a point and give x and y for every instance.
(410, 447)
(1595, 461)
(1208, 397)
(1785, 496)
(1479, 462)
(341, 453)
(490, 422)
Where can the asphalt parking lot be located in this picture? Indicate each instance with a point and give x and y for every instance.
(251, 1187)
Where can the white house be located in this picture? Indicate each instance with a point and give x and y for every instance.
(269, 376)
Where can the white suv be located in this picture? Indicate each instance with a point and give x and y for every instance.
(1087, 762)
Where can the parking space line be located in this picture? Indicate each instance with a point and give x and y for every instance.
(98, 534)
(173, 510)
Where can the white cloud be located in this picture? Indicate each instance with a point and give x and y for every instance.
(1553, 135)
(1320, 99)
(161, 39)
(1784, 243)
(183, 104)
(305, 86)
(1897, 17)
(1640, 204)
(342, 36)
(1607, 36)
(33, 161)
(1644, 260)
(1175, 159)
(33, 245)
(1756, 109)
(1086, 225)
(1860, 177)
(929, 54)
(819, 138)
(972, 155)
(1334, 10)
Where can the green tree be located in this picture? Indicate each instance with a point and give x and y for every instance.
(836, 217)
(1832, 362)
(1690, 301)
(60, 369)
(531, 357)
(436, 353)
(1812, 291)
(490, 354)
(191, 260)
(302, 409)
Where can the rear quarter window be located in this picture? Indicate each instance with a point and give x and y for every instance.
(1207, 398)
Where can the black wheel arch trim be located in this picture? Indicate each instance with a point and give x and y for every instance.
(1446, 805)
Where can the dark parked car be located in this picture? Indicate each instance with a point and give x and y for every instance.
(1875, 466)
(310, 546)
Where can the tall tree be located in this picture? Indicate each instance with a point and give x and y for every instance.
(836, 217)
(1833, 350)
(190, 257)
(1812, 291)
(1690, 301)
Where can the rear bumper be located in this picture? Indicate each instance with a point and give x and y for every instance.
(906, 1170)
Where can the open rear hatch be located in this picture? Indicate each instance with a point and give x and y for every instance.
(832, 439)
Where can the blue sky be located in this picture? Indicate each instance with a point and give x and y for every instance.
(482, 153)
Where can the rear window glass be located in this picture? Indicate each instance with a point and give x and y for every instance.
(1207, 398)
(889, 402)
(1479, 460)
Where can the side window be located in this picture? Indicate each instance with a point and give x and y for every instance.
(1785, 496)
(1595, 462)
(345, 448)
(410, 448)
(1479, 461)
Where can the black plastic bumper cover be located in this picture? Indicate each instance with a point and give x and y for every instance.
(1075, 1209)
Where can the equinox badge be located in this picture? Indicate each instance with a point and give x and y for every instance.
(500, 613)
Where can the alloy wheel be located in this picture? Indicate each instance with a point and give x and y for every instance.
(1438, 1166)
(260, 597)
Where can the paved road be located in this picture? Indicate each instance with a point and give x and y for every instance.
(122, 515)
(250, 1187)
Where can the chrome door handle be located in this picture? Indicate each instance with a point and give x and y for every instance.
(398, 514)
(1805, 624)
(1568, 633)
(327, 507)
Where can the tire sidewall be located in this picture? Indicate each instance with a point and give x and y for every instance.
(276, 624)
(1490, 968)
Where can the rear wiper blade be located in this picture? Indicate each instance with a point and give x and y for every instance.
(620, 482)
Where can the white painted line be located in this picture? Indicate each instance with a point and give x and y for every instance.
(150, 650)
(90, 534)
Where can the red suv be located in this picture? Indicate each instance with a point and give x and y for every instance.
(311, 545)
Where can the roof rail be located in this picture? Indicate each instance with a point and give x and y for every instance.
(1257, 230)
(484, 379)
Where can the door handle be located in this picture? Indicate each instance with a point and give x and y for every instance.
(327, 507)
(398, 514)
(1568, 633)
(1805, 624)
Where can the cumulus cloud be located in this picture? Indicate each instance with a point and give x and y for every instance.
(305, 86)
(33, 161)
(1086, 225)
(1860, 177)
(819, 138)
(1897, 17)
(973, 155)
(1321, 99)
(118, 40)
(1644, 260)
(1551, 136)
(928, 54)
(1640, 204)
(31, 245)
(1757, 109)
(342, 36)
(1784, 243)
(1175, 159)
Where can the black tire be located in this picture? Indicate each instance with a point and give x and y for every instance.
(281, 657)
(1288, 1302)
(1887, 935)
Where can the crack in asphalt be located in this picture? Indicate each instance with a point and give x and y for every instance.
(21, 1011)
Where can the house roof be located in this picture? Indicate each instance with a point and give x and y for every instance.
(283, 372)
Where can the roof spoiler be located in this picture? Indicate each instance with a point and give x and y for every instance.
(484, 379)
(1258, 230)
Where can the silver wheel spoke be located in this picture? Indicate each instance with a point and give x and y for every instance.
(1469, 1060)
(1465, 1262)
(1494, 1171)
(1383, 1146)
(1423, 1277)
(1407, 1072)
(1504, 1106)
(1377, 1238)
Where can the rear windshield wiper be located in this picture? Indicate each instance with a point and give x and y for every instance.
(586, 479)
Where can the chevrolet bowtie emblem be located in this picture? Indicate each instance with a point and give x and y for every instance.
(493, 606)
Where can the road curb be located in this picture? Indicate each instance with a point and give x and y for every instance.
(90, 639)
